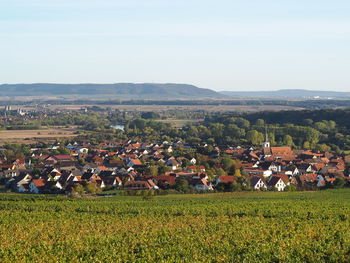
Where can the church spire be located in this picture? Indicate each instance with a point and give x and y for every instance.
(266, 143)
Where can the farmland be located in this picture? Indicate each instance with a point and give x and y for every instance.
(158, 108)
(30, 136)
(230, 227)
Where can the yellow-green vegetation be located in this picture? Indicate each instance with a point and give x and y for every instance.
(179, 123)
(232, 227)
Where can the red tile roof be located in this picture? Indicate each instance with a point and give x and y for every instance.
(136, 161)
(165, 178)
(38, 182)
(226, 178)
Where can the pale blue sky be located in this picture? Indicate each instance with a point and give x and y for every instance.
(221, 44)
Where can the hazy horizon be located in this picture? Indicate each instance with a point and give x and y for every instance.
(223, 46)
(217, 90)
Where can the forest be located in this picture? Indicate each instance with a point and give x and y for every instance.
(323, 130)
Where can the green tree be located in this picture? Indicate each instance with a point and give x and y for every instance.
(228, 163)
(323, 147)
(63, 150)
(308, 122)
(288, 140)
(150, 115)
(238, 173)
(255, 137)
(220, 172)
(306, 145)
(78, 188)
(153, 170)
(339, 182)
(182, 185)
(272, 138)
(260, 122)
(233, 186)
(92, 188)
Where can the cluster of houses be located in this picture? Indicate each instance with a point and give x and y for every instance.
(279, 167)
(124, 164)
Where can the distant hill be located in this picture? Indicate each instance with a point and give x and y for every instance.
(117, 90)
(288, 93)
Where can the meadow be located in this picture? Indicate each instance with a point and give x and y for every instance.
(225, 227)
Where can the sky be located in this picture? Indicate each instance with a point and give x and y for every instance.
(237, 45)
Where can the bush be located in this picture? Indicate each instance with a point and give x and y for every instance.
(78, 189)
(92, 188)
(339, 182)
(290, 188)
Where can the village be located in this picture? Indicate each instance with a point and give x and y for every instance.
(131, 165)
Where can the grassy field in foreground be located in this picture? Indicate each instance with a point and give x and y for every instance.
(232, 227)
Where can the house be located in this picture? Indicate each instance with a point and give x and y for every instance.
(9, 173)
(321, 181)
(224, 179)
(116, 163)
(134, 162)
(70, 176)
(53, 159)
(20, 182)
(90, 167)
(193, 161)
(92, 177)
(201, 184)
(318, 166)
(20, 164)
(285, 178)
(173, 164)
(36, 185)
(141, 185)
(255, 171)
(165, 181)
(279, 153)
(309, 155)
(305, 168)
(82, 150)
(5, 167)
(100, 183)
(308, 179)
(257, 183)
(272, 166)
(276, 182)
(196, 168)
(51, 186)
(107, 173)
(114, 181)
(169, 149)
(291, 170)
(67, 165)
(51, 174)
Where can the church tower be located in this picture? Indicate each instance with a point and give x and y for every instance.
(266, 144)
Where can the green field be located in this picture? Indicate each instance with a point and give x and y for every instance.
(232, 227)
